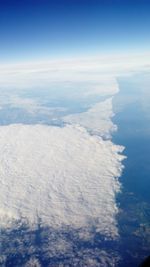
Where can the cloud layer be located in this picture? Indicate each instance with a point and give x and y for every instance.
(62, 175)
(90, 69)
(97, 119)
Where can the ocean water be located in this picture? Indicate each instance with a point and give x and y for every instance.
(132, 108)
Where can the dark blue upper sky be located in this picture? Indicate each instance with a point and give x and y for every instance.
(44, 29)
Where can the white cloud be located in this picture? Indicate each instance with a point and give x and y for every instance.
(94, 69)
(97, 119)
(63, 175)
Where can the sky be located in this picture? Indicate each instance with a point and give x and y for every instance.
(45, 29)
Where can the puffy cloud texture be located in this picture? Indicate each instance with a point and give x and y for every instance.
(62, 175)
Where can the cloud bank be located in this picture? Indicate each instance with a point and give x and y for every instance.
(62, 175)
(97, 119)
(94, 69)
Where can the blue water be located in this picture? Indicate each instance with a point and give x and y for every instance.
(133, 120)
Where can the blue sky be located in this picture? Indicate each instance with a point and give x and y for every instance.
(42, 29)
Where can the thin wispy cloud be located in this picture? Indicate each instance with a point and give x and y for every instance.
(40, 74)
